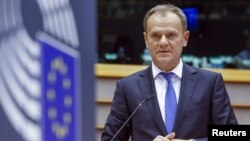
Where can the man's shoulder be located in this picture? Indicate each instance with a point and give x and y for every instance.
(204, 71)
(136, 75)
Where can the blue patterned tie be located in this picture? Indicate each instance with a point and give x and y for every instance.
(170, 103)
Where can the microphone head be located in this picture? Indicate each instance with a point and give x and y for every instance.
(149, 97)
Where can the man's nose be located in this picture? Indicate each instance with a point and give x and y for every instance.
(163, 40)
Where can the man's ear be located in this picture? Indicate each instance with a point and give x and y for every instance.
(145, 39)
(186, 37)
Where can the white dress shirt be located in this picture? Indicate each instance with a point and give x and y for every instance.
(161, 84)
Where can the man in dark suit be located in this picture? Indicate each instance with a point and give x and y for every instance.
(200, 95)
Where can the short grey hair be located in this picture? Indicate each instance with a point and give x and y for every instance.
(163, 8)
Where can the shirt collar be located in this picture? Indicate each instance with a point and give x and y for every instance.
(177, 70)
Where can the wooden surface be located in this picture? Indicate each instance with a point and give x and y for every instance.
(119, 71)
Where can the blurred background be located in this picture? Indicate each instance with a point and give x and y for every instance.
(60, 60)
(47, 57)
(219, 31)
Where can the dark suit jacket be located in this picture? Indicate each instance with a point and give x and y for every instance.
(203, 101)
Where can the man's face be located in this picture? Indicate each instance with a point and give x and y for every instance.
(165, 39)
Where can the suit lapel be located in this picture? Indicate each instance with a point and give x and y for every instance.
(188, 82)
(147, 87)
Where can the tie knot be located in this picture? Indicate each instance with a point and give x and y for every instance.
(167, 75)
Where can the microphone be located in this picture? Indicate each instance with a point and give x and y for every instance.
(140, 104)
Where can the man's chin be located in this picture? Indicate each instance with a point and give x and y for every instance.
(165, 61)
(165, 64)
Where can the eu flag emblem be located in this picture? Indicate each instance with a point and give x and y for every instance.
(60, 81)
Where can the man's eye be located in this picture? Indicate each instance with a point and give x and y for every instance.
(171, 36)
(155, 36)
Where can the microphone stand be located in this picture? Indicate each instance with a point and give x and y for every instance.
(140, 104)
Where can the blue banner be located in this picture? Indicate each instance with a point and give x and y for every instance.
(60, 76)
